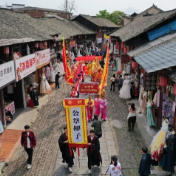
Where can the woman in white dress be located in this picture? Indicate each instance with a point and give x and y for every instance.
(43, 84)
(125, 90)
(47, 86)
(52, 75)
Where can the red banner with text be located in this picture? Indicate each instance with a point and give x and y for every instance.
(89, 88)
(88, 58)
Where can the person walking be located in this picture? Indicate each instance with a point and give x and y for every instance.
(144, 167)
(131, 117)
(57, 80)
(97, 127)
(112, 82)
(120, 82)
(94, 156)
(67, 156)
(103, 108)
(90, 105)
(97, 105)
(28, 141)
(115, 167)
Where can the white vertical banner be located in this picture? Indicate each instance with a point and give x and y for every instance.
(76, 124)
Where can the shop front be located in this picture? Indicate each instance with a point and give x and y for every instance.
(25, 68)
(43, 70)
(7, 79)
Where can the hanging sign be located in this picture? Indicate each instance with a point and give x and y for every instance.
(72, 42)
(124, 58)
(89, 88)
(24, 66)
(116, 51)
(42, 58)
(76, 122)
(7, 73)
(88, 58)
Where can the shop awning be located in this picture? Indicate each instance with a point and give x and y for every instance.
(156, 55)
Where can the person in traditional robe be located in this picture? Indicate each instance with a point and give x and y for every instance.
(103, 107)
(94, 156)
(82, 76)
(67, 154)
(34, 96)
(90, 105)
(73, 93)
(97, 105)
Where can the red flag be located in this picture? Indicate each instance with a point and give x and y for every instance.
(68, 75)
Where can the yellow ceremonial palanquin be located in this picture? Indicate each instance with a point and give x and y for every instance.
(89, 67)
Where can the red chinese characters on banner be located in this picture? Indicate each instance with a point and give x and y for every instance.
(74, 102)
(27, 64)
(89, 88)
(88, 58)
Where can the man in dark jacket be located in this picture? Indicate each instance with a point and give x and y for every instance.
(144, 168)
(64, 148)
(57, 80)
(97, 127)
(28, 141)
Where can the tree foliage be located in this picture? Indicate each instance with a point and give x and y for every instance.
(114, 16)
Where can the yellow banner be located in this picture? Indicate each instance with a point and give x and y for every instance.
(76, 121)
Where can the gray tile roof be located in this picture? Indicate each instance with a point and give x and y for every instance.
(157, 55)
(18, 27)
(101, 22)
(141, 25)
(160, 41)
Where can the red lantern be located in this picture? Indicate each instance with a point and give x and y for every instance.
(125, 50)
(134, 64)
(163, 81)
(45, 43)
(119, 72)
(131, 58)
(174, 89)
(54, 45)
(122, 45)
(36, 45)
(6, 50)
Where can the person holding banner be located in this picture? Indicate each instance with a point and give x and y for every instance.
(97, 105)
(73, 93)
(94, 156)
(67, 153)
(103, 107)
(90, 105)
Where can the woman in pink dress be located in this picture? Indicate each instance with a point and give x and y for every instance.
(103, 107)
(97, 105)
(90, 105)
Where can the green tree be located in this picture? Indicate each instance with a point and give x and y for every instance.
(114, 16)
(103, 14)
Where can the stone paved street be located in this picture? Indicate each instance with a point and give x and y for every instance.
(47, 157)
(130, 143)
(47, 129)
